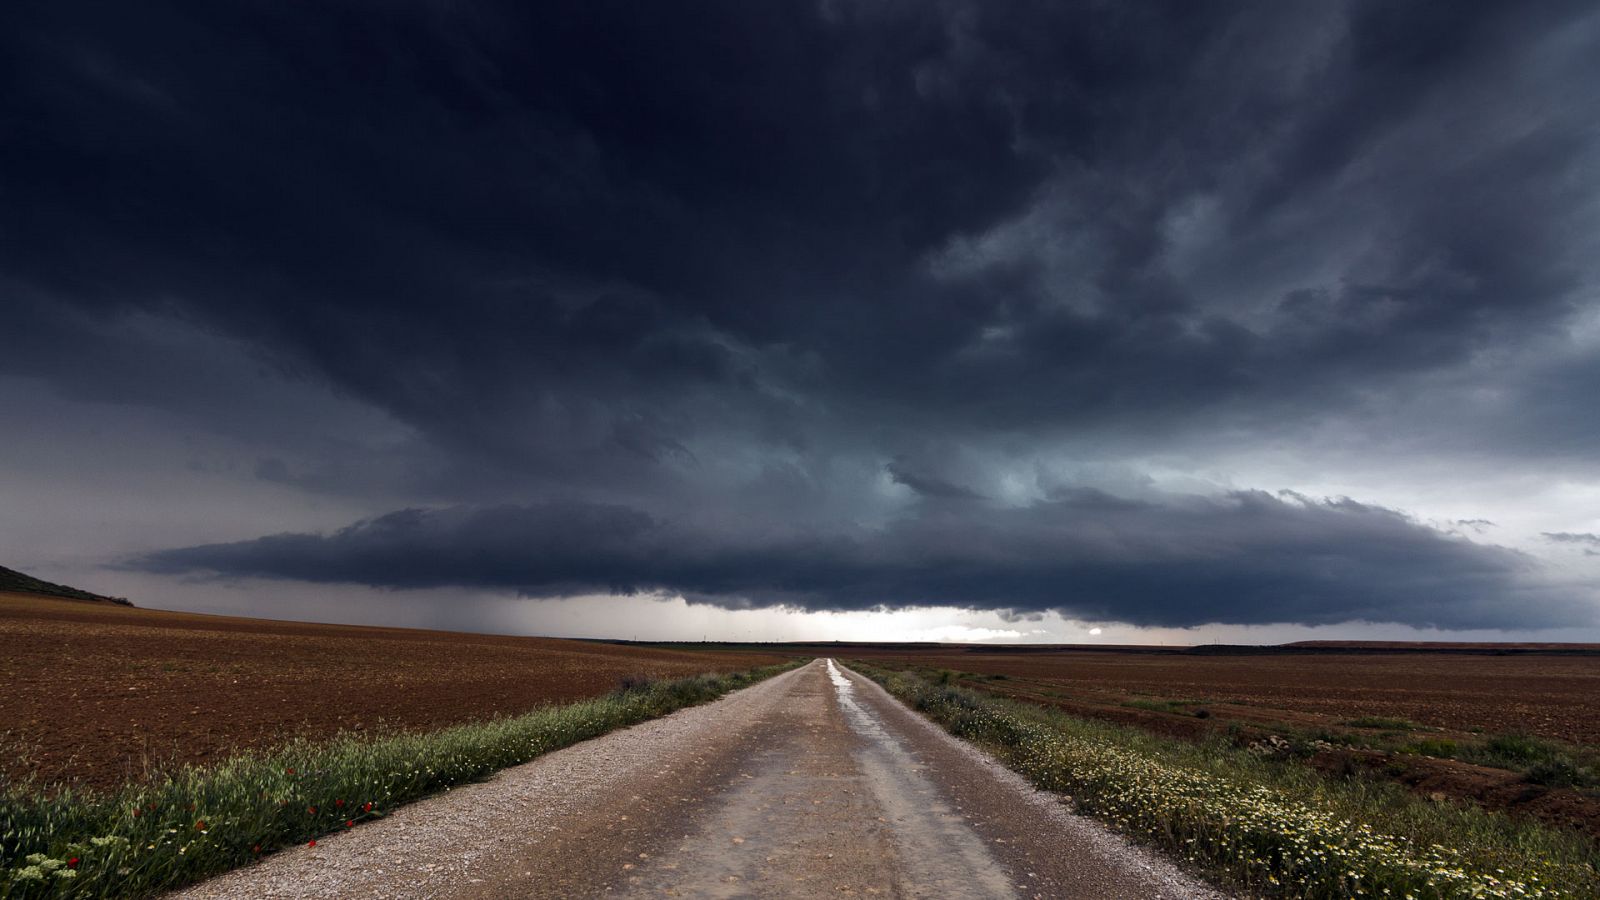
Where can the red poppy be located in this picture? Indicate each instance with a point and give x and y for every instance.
(338, 803)
(201, 824)
(256, 849)
(311, 843)
(137, 812)
(72, 863)
(290, 771)
(349, 823)
(368, 807)
(312, 810)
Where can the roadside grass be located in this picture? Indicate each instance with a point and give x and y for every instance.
(1272, 826)
(198, 821)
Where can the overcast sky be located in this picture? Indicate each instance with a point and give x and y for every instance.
(927, 320)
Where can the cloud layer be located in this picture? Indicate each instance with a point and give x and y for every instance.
(1244, 558)
(828, 304)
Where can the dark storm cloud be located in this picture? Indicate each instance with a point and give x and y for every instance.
(926, 484)
(617, 223)
(272, 469)
(747, 258)
(1246, 558)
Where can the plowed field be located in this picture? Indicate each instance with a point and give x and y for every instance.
(93, 694)
(1548, 695)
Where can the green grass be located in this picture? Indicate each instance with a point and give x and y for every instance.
(1382, 724)
(1271, 826)
(1443, 749)
(1166, 706)
(1541, 761)
(200, 821)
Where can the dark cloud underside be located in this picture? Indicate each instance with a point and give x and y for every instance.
(1246, 558)
(745, 300)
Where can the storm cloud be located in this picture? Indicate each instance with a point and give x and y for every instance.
(831, 305)
(1243, 558)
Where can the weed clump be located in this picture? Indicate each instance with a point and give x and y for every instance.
(1439, 748)
(629, 684)
(1540, 761)
(1380, 723)
(1556, 773)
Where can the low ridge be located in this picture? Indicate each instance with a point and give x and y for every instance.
(12, 580)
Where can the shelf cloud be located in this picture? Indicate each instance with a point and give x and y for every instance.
(1243, 558)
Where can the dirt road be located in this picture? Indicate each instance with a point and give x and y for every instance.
(815, 783)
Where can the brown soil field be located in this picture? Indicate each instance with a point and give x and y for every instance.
(95, 694)
(1555, 696)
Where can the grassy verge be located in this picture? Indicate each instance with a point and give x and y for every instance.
(1272, 826)
(200, 821)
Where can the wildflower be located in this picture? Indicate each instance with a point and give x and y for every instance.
(312, 810)
(368, 807)
(311, 843)
(72, 863)
(200, 825)
(256, 849)
(290, 770)
(338, 803)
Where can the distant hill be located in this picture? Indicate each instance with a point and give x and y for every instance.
(12, 580)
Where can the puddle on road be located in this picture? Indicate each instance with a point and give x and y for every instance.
(861, 720)
(838, 679)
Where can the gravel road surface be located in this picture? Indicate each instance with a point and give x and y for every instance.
(814, 783)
